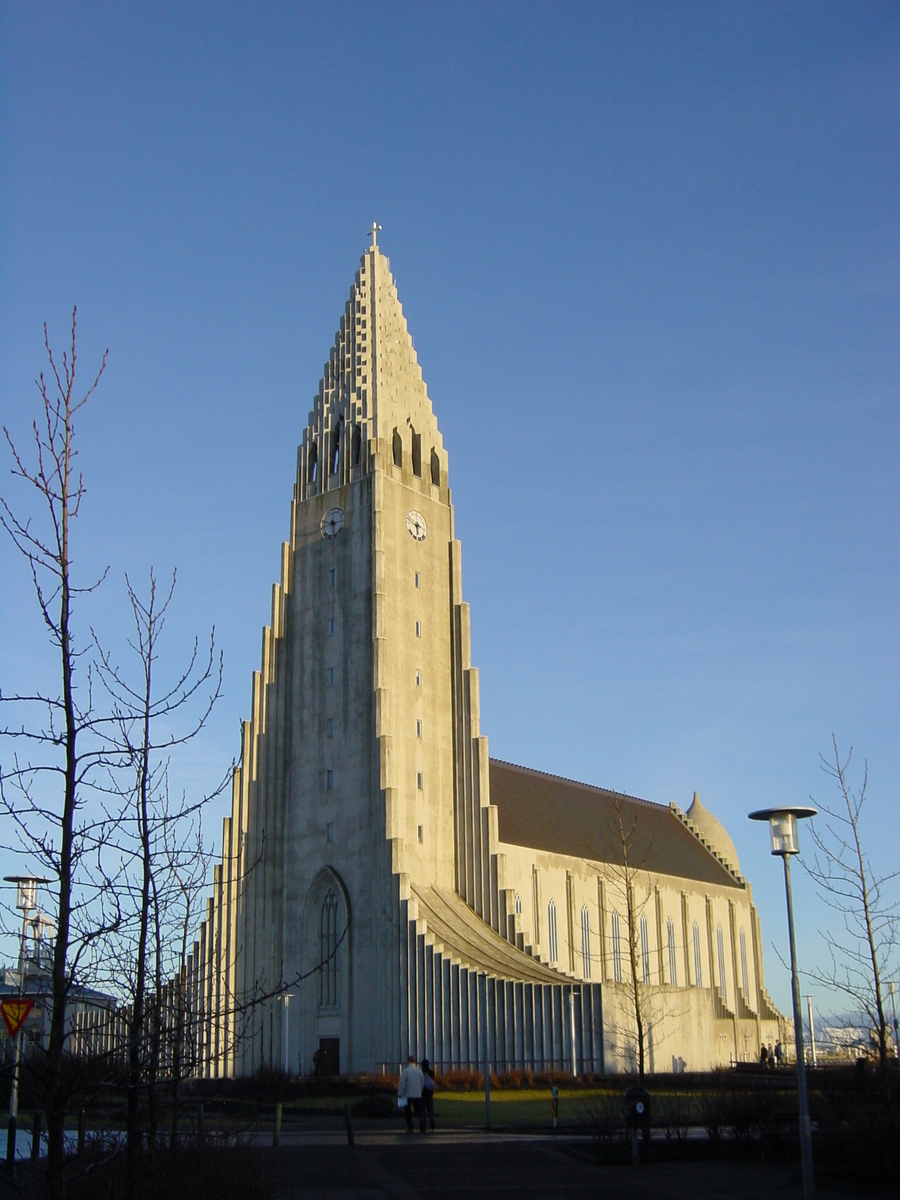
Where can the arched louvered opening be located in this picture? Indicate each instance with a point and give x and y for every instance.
(435, 469)
(328, 935)
(355, 445)
(398, 449)
(336, 447)
(312, 461)
(417, 454)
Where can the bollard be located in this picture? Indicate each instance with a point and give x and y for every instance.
(81, 1133)
(276, 1132)
(348, 1121)
(36, 1135)
(11, 1144)
(554, 1103)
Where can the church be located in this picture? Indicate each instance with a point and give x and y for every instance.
(386, 887)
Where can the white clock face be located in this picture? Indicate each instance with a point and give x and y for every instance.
(333, 522)
(415, 523)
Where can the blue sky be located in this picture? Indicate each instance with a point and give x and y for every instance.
(649, 256)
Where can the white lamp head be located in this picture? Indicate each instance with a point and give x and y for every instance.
(783, 826)
(26, 889)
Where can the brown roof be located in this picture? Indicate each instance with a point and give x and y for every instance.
(563, 817)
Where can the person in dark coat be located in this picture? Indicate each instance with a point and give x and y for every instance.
(428, 1090)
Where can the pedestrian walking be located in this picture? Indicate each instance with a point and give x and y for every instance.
(409, 1093)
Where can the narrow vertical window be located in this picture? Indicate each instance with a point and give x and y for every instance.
(518, 905)
(355, 446)
(418, 579)
(419, 781)
(673, 957)
(645, 950)
(586, 941)
(421, 833)
(698, 958)
(331, 625)
(723, 982)
(435, 469)
(398, 449)
(418, 678)
(417, 454)
(335, 448)
(551, 931)
(418, 629)
(745, 974)
(332, 576)
(330, 727)
(329, 832)
(616, 947)
(328, 979)
(313, 462)
(329, 779)
(536, 906)
(331, 674)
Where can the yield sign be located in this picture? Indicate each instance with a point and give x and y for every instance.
(14, 1011)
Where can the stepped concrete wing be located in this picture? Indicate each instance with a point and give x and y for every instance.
(465, 936)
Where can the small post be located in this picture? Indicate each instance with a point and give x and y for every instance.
(276, 1132)
(81, 1133)
(554, 1103)
(36, 1135)
(11, 1143)
(348, 1121)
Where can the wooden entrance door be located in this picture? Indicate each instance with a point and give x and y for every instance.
(329, 1056)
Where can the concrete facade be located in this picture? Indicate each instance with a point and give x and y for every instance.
(365, 902)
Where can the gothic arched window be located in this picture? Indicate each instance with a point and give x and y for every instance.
(745, 974)
(616, 947)
(698, 958)
(673, 958)
(586, 941)
(435, 469)
(723, 981)
(551, 931)
(398, 449)
(645, 950)
(328, 971)
(313, 462)
(417, 454)
(355, 446)
(336, 446)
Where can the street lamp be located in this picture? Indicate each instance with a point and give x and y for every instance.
(26, 899)
(784, 843)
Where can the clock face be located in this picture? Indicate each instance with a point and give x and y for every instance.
(415, 523)
(333, 522)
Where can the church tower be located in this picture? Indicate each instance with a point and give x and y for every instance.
(362, 769)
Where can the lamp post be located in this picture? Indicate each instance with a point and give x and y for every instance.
(26, 898)
(784, 843)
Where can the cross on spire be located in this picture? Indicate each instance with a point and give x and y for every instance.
(373, 233)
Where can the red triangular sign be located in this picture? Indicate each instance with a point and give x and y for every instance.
(14, 1011)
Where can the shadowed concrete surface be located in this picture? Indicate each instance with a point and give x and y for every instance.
(457, 1168)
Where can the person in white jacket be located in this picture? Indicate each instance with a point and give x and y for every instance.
(409, 1093)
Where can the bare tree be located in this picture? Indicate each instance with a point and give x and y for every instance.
(57, 727)
(859, 951)
(628, 859)
(142, 735)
